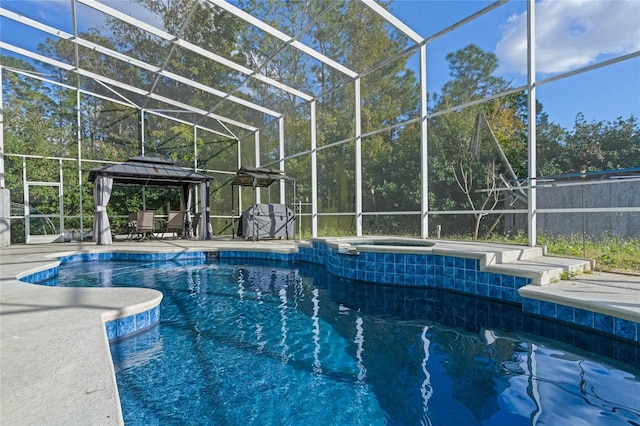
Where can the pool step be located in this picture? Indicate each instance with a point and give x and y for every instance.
(543, 270)
(521, 253)
(530, 262)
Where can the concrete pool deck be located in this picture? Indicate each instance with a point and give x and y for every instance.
(55, 364)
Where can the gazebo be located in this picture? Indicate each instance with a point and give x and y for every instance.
(257, 177)
(147, 171)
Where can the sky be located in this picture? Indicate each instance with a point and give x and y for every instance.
(570, 34)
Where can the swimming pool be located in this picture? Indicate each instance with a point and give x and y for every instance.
(248, 341)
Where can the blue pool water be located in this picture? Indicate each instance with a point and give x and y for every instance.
(288, 344)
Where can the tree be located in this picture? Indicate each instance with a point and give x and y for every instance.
(466, 156)
(549, 139)
(602, 145)
(31, 127)
(589, 146)
(388, 95)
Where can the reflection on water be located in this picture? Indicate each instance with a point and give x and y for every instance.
(268, 344)
(426, 390)
(138, 350)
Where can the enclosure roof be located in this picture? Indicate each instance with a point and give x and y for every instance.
(144, 60)
(152, 171)
(261, 177)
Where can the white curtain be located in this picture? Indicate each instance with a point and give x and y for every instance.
(206, 233)
(101, 194)
(185, 200)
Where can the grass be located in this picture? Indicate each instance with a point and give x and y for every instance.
(611, 254)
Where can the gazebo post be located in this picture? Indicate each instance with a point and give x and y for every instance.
(253, 209)
(233, 217)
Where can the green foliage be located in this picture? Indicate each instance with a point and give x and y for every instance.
(610, 253)
(565, 276)
(598, 145)
(332, 232)
(466, 145)
(389, 95)
(41, 119)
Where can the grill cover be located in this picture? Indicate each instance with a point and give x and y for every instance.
(267, 221)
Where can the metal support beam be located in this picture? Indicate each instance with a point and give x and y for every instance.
(283, 37)
(256, 144)
(424, 156)
(192, 47)
(314, 173)
(78, 119)
(531, 106)
(1, 133)
(195, 148)
(78, 41)
(395, 22)
(281, 159)
(142, 133)
(238, 165)
(79, 140)
(25, 201)
(61, 198)
(358, 158)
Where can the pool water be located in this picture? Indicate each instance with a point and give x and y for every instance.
(261, 343)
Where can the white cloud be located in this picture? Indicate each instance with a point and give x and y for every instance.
(571, 34)
(135, 10)
(56, 11)
(46, 9)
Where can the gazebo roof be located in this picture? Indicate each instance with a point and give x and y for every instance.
(262, 177)
(149, 171)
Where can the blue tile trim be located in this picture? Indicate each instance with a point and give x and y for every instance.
(133, 324)
(618, 327)
(127, 326)
(88, 257)
(419, 270)
(50, 273)
(461, 275)
(240, 254)
(414, 269)
(40, 276)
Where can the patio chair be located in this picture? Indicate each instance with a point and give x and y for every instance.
(145, 224)
(174, 223)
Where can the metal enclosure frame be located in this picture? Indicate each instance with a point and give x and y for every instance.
(418, 44)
